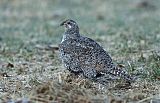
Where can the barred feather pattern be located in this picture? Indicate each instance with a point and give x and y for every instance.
(83, 55)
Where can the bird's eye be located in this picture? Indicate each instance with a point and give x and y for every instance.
(69, 23)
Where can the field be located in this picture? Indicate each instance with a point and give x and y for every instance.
(31, 71)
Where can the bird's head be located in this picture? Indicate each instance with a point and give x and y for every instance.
(70, 25)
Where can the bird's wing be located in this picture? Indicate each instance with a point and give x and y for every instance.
(87, 52)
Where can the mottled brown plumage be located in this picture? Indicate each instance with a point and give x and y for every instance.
(83, 55)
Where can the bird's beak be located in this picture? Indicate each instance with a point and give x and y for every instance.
(63, 23)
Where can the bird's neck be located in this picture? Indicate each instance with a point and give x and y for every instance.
(70, 35)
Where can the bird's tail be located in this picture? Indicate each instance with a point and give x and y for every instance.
(120, 72)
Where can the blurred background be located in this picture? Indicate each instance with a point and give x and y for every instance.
(121, 24)
(128, 29)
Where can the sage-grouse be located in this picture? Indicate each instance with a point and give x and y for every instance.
(83, 55)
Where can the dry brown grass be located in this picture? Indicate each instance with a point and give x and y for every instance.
(129, 30)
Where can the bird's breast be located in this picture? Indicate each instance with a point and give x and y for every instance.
(63, 38)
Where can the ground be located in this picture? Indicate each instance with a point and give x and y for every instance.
(30, 71)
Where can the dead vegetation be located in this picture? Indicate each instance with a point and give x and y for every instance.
(30, 70)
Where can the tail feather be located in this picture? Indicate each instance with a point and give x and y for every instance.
(119, 72)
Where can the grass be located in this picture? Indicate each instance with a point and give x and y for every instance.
(128, 30)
